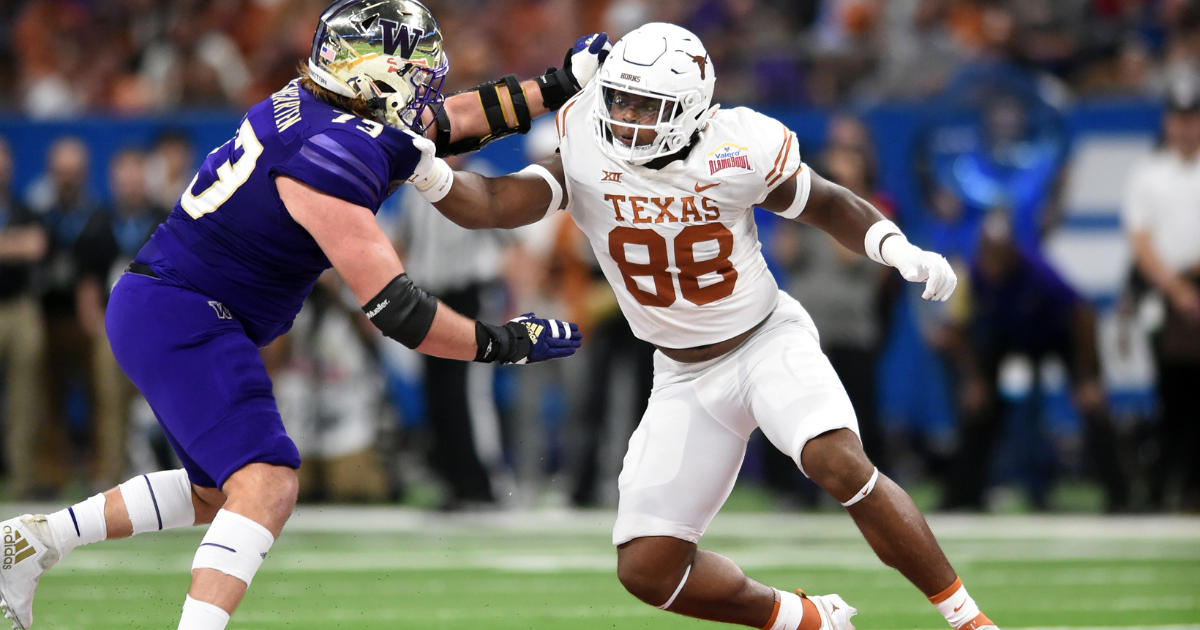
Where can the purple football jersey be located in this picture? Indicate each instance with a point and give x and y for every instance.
(230, 236)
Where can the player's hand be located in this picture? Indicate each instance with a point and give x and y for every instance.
(545, 338)
(585, 57)
(918, 265)
(432, 176)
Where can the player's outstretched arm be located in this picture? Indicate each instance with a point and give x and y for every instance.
(856, 224)
(362, 255)
(470, 120)
(477, 202)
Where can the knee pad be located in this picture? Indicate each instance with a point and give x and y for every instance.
(159, 500)
(234, 545)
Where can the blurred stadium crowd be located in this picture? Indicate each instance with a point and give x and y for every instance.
(1018, 345)
(65, 57)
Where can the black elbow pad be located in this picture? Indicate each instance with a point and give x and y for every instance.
(402, 311)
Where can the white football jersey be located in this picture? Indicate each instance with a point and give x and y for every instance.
(679, 244)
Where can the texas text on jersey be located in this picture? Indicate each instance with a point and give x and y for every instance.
(681, 239)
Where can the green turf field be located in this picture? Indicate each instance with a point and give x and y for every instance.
(399, 569)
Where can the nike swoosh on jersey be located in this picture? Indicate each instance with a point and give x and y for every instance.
(700, 188)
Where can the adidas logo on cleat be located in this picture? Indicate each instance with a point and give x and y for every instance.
(16, 548)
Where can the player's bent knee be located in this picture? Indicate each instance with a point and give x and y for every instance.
(644, 584)
(265, 482)
(206, 502)
(650, 568)
(234, 545)
(836, 462)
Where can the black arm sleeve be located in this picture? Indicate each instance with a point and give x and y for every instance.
(402, 311)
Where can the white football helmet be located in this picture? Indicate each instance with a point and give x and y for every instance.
(657, 78)
(387, 53)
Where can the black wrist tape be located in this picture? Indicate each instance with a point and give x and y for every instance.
(557, 88)
(505, 344)
(402, 311)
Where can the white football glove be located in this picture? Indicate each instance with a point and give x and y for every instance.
(432, 176)
(585, 57)
(918, 265)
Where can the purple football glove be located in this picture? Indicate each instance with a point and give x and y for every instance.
(550, 338)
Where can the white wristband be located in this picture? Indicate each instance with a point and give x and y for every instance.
(896, 248)
(556, 191)
(803, 187)
(874, 239)
(435, 185)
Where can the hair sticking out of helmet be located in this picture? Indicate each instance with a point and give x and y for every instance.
(386, 53)
(654, 93)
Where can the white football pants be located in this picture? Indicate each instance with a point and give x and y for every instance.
(684, 457)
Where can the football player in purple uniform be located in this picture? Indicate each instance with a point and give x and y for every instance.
(293, 193)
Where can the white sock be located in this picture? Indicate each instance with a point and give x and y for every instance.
(955, 604)
(80, 524)
(198, 615)
(159, 500)
(790, 613)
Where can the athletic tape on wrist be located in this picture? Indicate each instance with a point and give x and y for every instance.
(556, 191)
(437, 184)
(234, 545)
(678, 589)
(874, 239)
(862, 494)
(160, 500)
(803, 187)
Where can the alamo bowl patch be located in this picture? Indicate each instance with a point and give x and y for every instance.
(730, 159)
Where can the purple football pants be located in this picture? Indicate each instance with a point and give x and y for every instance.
(192, 360)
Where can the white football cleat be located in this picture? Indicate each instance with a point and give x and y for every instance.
(835, 612)
(29, 550)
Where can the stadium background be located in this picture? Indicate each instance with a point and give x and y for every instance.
(929, 79)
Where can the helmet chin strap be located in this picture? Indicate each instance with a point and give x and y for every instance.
(390, 110)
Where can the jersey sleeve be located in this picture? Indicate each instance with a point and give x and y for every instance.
(402, 153)
(777, 149)
(344, 165)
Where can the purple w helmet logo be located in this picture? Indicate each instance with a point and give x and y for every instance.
(397, 35)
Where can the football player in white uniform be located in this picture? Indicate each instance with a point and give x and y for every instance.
(664, 185)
